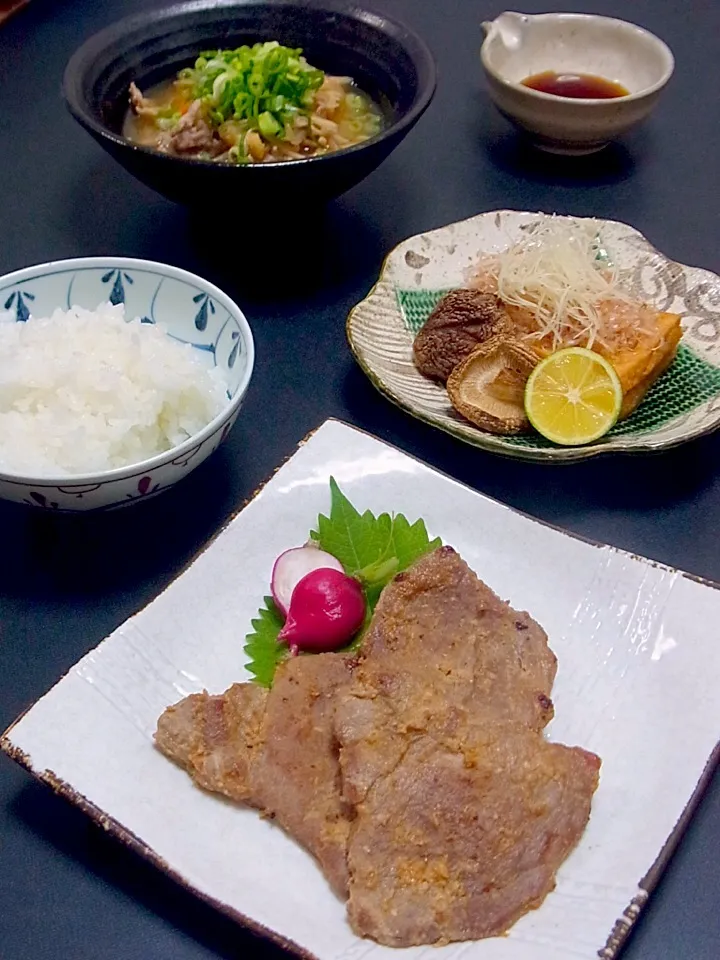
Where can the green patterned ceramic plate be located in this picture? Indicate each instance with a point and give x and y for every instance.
(684, 403)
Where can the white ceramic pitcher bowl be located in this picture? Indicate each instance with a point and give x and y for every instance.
(519, 45)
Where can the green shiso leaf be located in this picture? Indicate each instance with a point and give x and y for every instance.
(356, 540)
(372, 549)
(264, 650)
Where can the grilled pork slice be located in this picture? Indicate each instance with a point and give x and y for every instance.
(274, 750)
(463, 811)
(297, 779)
(216, 738)
(459, 841)
(443, 651)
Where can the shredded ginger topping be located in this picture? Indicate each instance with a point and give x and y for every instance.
(565, 294)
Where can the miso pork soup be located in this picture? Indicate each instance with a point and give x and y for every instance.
(258, 104)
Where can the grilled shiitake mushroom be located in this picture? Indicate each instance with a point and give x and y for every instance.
(459, 322)
(488, 387)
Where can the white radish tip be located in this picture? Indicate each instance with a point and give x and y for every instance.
(291, 566)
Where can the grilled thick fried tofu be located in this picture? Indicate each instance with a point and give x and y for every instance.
(639, 369)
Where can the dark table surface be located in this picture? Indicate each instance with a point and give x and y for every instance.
(66, 889)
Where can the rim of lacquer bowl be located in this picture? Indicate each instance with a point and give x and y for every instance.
(160, 459)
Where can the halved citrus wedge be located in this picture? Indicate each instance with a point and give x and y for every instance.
(573, 396)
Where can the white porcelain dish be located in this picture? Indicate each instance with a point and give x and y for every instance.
(189, 308)
(519, 45)
(639, 669)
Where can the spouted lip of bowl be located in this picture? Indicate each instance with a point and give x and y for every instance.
(511, 24)
(167, 290)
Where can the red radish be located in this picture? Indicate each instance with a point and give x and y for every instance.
(291, 566)
(326, 610)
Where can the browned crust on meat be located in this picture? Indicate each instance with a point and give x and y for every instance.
(275, 751)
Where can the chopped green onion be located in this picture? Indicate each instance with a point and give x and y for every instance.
(265, 85)
(269, 126)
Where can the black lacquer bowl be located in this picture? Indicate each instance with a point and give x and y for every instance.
(384, 57)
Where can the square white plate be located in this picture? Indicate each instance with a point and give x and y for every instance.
(639, 668)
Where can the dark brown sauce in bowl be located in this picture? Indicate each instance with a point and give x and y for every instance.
(585, 86)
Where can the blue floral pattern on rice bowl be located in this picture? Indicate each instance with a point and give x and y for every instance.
(188, 308)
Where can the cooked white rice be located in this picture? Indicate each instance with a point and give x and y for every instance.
(84, 391)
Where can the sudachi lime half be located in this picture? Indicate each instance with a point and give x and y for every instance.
(573, 397)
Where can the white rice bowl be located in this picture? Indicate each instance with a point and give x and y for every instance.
(85, 391)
